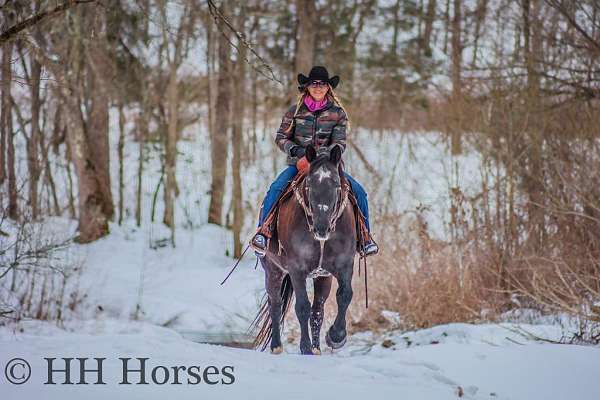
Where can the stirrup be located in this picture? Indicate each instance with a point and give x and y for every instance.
(259, 245)
(369, 249)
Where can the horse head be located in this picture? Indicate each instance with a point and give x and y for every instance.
(323, 189)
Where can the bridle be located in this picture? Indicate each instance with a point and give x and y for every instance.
(301, 192)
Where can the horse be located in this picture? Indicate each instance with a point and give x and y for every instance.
(316, 237)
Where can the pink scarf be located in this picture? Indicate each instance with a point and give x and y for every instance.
(314, 105)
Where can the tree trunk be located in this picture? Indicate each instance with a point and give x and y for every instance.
(456, 78)
(210, 56)
(237, 141)
(7, 132)
(34, 140)
(534, 173)
(429, 20)
(93, 221)
(142, 130)
(5, 106)
(219, 140)
(254, 118)
(69, 160)
(480, 13)
(120, 149)
(87, 134)
(171, 150)
(395, 28)
(306, 11)
(98, 133)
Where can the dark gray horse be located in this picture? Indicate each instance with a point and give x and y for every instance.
(316, 236)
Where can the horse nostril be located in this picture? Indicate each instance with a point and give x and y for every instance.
(321, 237)
(321, 232)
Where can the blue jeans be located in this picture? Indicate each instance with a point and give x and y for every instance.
(286, 176)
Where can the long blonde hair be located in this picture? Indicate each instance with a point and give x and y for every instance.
(330, 95)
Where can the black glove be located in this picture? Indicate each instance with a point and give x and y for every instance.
(298, 151)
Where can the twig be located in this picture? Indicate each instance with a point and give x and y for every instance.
(514, 341)
(34, 19)
(214, 11)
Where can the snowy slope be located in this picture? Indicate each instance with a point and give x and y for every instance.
(125, 276)
(477, 361)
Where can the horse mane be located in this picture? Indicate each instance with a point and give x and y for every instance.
(318, 162)
(321, 160)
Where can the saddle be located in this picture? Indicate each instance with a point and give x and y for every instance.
(269, 227)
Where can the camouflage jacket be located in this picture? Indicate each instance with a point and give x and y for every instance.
(324, 127)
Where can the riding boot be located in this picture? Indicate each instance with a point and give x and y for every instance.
(370, 248)
(259, 244)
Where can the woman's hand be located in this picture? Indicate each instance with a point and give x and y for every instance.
(298, 151)
(302, 164)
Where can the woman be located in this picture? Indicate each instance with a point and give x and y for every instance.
(318, 118)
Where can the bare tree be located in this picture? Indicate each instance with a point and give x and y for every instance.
(219, 139)
(306, 12)
(174, 56)
(7, 131)
(533, 171)
(88, 134)
(237, 140)
(11, 31)
(456, 67)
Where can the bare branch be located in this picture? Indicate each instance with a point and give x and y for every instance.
(217, 15)
(38, 17)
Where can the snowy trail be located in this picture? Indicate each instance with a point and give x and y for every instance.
(477, 358)
(178, 290)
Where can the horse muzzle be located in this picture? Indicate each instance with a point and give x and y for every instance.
(322, 230)
(321, 237)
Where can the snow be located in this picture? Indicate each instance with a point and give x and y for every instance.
(179, 292)
(477, 359)
(122, 278)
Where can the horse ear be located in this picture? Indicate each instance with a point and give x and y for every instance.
(311, 153)
(336, 154)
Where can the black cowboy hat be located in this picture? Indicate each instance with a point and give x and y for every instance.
(317, 73)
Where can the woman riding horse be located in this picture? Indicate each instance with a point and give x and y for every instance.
(318, 118)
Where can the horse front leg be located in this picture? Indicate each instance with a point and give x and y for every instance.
(336, 335)
(302, 310)
(322, 287)
(274, 279)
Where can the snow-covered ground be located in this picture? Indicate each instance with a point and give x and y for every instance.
(178, 290)
(446, 362)
(126, 276)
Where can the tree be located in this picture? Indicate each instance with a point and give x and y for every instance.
(456, 68)
(219, 139)
(87, 132)
(237, 138)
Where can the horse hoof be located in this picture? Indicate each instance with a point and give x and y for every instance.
(277, 350)
(333, 344)
(316, 352)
